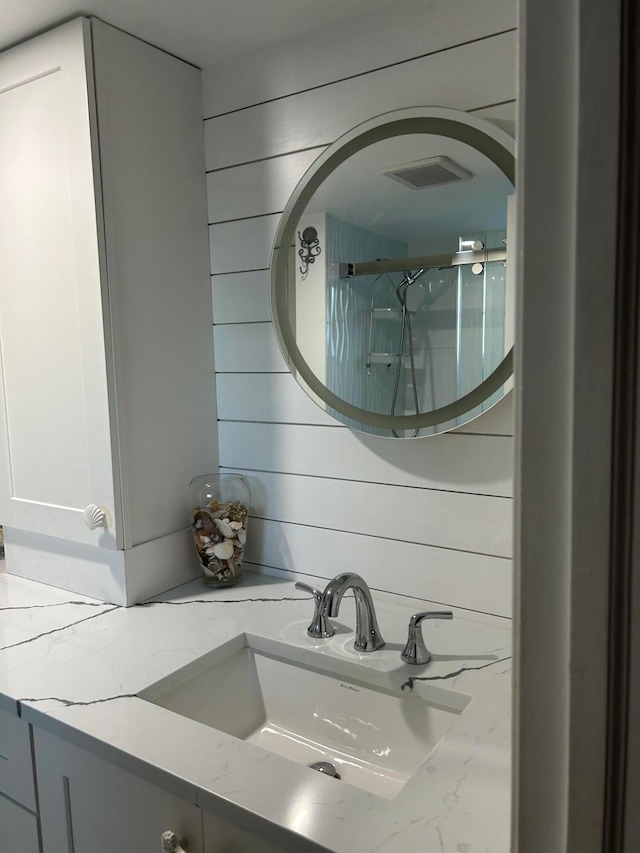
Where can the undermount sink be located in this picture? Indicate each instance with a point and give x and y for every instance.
(252, 689)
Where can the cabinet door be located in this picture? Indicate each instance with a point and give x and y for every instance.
(56, 453)
(88, 805)
(18, 828)
(16, 761)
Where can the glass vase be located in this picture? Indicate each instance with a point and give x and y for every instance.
(219, 515)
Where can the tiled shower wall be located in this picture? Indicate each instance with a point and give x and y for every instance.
(431, 517)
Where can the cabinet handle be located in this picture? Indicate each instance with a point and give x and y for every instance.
(170, 843)
(94, 516)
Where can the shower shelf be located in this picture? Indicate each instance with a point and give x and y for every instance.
(387, 358)
(388, 313)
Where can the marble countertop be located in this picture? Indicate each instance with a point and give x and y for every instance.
(75, 666)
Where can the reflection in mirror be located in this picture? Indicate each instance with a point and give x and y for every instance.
(399, 297)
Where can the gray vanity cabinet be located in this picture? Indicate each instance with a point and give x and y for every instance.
(220, 836)
(88, 805)
(18, 818)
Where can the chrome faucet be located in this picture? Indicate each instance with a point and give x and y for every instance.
(415, 652)
(368, 637)
(320, 626)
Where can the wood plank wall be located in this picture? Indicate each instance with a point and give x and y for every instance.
(430, 518)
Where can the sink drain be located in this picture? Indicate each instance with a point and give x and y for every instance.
(326, 768)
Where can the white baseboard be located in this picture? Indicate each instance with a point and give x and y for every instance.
(119, 577)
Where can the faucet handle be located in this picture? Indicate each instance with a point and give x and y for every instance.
(312, 589)
(415, 652)
(320, 626)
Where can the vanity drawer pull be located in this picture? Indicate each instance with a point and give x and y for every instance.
(170, 843)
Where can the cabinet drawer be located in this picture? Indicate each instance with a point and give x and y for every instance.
(16, 764)
(18, 828)
(220, 836)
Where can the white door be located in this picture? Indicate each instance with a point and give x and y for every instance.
(56, 445)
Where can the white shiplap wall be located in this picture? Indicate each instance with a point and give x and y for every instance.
(429, 518)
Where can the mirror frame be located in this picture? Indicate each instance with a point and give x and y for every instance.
(486, 138)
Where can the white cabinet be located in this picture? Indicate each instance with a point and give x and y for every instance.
(57, 454)
(88, 805)
(106, 370)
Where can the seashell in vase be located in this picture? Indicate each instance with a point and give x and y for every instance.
(224, 550)
(237, 512)
(202, 520)
(219, 521)
(224, 527)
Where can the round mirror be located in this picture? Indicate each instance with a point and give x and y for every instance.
(392, 293)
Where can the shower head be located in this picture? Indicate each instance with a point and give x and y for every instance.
(409, 279)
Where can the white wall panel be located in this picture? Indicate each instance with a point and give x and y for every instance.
(499, 420)
(502, 115)
(268, 398)
(241, 297)
(256, 188)
(243, 244)
(329, 54)
(264, 186)
(456, 463)
(445, 519)
(242, 347)
(277, 398)
(448, 577)
(430, 517)
(319, 117)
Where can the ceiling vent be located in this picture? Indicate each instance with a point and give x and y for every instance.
(433, 172)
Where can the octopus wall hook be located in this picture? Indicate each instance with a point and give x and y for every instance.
(310, 248)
